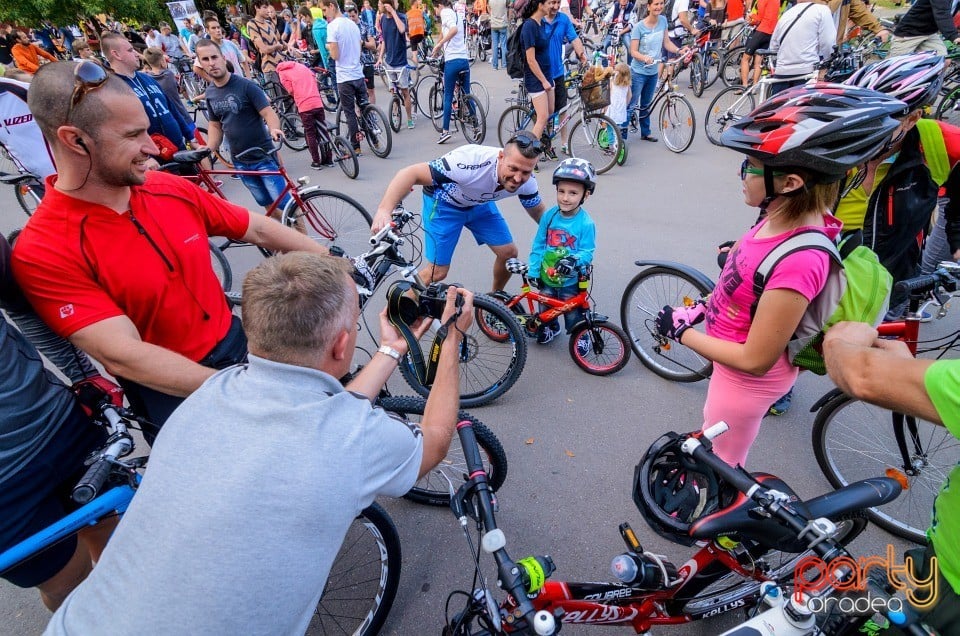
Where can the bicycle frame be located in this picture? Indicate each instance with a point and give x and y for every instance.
(555, 307)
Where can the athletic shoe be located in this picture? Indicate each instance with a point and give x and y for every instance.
(328, 164)
(782, 405)
(316, 165)
(547, 334)
(583, 345)
(444, 137)
(410, 124)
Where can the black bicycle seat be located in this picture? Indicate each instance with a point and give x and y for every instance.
(191, 156)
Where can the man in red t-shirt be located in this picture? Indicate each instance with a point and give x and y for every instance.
(116, 257)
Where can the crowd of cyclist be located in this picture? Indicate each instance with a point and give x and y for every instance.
(113, 261)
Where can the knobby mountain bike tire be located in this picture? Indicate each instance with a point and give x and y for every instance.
(597, 139)
(492, 354)
(221, 266)
(717, 589)
(363, 579)
(678, 124)
(472, 121)
(599, 349)
(730, 66)
(294, 136)
(331, 218)
(646, 294)
(853, 440)
(514, 119)
(433, 489)
(727, 108)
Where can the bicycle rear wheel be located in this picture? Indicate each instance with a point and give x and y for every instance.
(433, 489)
(377, 131)
(489, 366)
(293, 136)
(514, 119)
(678, 124)
(642, 300)
(949, 108)
(853, 440)
(727, 108)
(730, 66)
(473, 123)
(29, 196)
(363, 580)
(597, 139)
(711, 67)
(345, 157)
(599, 349)
(331, 218)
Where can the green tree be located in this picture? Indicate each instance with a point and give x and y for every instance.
(63, 12)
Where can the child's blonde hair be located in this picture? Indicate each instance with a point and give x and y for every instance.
(621, 74)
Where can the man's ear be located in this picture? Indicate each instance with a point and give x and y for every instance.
(72, 138)
(339, 348)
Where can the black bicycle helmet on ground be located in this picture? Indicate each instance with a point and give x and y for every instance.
(913, 79)
(823, 129)
(673, 490)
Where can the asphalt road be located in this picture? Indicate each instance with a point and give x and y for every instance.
(572, 439)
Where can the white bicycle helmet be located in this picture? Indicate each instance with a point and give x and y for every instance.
(578, 171)
(913, 79)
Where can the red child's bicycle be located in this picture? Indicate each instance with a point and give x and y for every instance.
(598, 346)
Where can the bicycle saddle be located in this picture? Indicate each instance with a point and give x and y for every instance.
(17, 179)
(191, 156)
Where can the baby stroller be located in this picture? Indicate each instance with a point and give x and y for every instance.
(485, 37)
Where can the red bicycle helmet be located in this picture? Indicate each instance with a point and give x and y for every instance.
(673, 490)
(823, 129)
(914, 79)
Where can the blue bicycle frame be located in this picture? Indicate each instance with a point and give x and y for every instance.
(116, 500)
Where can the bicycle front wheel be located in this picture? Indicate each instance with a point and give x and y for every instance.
(599, 349)
(514, 119)
(435, 106)
(489, 366)
(949, 108)
(433, 488)
(331, 218)
(853, 440)
(473, 123)
(221, 266)
(642, 300)
(597, 139)
(396, 113)
(377, 131)
(344, 156)
(711, 67)
(426, 91)
(730, 66)
(698, 79)
(726, 109)
(677, 123)
(479, 92)
(363, 580)
(293, 136)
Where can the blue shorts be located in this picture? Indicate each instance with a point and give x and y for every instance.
(442, 224)
(39, 496)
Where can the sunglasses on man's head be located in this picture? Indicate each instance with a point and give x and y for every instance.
(526, 140)
(87, 77)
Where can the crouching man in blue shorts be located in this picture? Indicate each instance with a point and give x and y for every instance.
(460, 189)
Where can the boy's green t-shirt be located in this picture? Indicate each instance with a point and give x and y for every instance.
(942, 381)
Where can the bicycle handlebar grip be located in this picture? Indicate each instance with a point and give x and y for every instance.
(920, 283)
(907, 621)
(92, 481)
(471, 451)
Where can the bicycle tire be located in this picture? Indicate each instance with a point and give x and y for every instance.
(396, 113)
(377, 131)
(331, 218)
(514, 119)
(427, 83)
(698, 81)
(727, 108)
(730, 66)
(644, 297)
(29, 196)
(435, 101)
(294, 136)
(852, 438)
(345, 157)
(366, 568)
(711, 68)
(473, 123)
(221, 266)
(330, 93)
(597, 139)
(734, 588)
(432, 489)
(599, 349)
(678, 123)
(480, 93)
(488, 367)
(949, 108)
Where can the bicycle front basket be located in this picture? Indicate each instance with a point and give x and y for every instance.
(595, 96)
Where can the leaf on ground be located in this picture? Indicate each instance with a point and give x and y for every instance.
(569, 453)
(529, 441)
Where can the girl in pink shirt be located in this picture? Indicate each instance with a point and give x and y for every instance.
(300, 82)
(799, 145)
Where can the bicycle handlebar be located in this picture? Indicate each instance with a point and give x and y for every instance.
(118, 445)
(927, 282)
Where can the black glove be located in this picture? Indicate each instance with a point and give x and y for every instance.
(565, 265)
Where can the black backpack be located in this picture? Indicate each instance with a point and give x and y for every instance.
(516, 55)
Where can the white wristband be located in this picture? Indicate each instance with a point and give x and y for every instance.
(390, 351)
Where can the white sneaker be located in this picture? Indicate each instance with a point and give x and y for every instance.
(547, 334)
(444, 137)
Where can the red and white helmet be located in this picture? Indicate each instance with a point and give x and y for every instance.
(823, 129)
(914, 79)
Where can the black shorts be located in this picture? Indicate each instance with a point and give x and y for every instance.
(415, 41)
(559, 94)
(756, 41)
(39, 496)
(368, 76)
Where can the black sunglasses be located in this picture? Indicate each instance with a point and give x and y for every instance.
(526, 140)
(87, 76)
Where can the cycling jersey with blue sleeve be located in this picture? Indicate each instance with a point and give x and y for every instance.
(467, 176)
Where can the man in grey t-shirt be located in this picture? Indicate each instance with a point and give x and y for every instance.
(255, 479)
